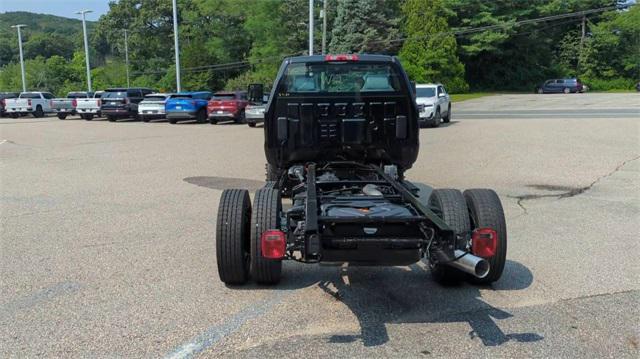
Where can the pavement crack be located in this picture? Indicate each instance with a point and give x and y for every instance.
(568, 191)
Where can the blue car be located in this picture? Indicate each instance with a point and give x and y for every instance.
(187, 106)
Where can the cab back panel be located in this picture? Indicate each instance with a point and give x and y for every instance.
(373, 128)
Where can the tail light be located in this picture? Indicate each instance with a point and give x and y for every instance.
(2, 102)
(126, 101)
(99, 102)
(29, 103)
(484, 242)
(74, 103)
(342, 57)
(273, 244)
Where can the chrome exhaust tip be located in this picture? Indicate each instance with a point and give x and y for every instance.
(468, 263)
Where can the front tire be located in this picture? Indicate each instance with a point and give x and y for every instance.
(450, 205)
(232, 236)
(241, 117)
(437, 118)
(213, 121)
(251, 124)
(447, 118)
(62, 116)
(201, 117)
(173, 121)
(265, 216)
(111, 119)
(485, 211)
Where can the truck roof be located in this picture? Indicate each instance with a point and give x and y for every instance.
(342, 57)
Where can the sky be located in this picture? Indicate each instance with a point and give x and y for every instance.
(66, 8)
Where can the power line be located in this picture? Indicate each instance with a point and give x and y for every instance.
(458, 32)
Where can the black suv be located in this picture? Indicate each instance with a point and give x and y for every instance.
(122, 102)
(4, 96)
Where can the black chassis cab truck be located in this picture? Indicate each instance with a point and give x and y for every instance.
(340, 132)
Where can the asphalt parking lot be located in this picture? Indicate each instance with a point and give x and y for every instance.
(107, 246)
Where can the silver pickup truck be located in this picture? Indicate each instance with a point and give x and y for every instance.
(64, 107)
(88, 108)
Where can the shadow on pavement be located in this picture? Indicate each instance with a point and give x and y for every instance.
(396, 295)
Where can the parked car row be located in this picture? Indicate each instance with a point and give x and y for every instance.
(138, 103)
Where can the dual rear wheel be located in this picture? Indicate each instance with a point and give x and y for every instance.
(464, 212)
(239, 228)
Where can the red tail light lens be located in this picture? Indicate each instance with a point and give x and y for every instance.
(99, 102)
(273, 244)
(2, 102)
(484, 242)
(74, 103)
(29, 103)
(342, 57)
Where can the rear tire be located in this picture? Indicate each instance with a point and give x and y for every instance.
(38, 112)
(566, 90)
(111, 119)
(145, 118)
(251, 124)
(61, 116)
(265, 216)
(88, 117)
(450, 205)
(213, 121)
(447, 118)
(485, 210)
(232, 236)
(173, 121)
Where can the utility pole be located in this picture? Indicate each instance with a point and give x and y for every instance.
(310, 27)
(86, 46)
(177, 48)
(24, 81)
(126, 55)
(584, 32)
(324, 26)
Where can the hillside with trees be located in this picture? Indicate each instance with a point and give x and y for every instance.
(466, 44)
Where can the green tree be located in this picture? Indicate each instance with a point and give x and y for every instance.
(611, 56)
(429, 54)
(365, 26)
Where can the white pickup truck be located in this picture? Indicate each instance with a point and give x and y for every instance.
(36, 103)
(64, 107)
(88, 108)
(434, 104)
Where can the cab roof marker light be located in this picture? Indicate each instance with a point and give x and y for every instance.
(341, 57)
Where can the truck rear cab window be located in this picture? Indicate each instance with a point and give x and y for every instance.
(335, 78)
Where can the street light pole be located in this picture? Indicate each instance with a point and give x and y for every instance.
(175, 40)
(126, 55)
(86, 46)
(310, 27)
(24, 81)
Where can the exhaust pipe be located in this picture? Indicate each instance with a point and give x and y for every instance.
(471, 264)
